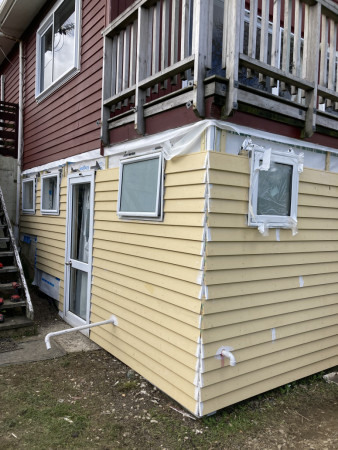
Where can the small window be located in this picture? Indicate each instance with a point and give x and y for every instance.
(28, 195)
(50, 188)
(141, 187)
(274, 189)
(58, 47)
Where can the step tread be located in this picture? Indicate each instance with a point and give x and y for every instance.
(8, 304)
(5, 253)
(15, 322)
(7, 269)
(5, 286)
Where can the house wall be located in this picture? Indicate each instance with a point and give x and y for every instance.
(65, 123)
(8, 174)
(50, 232)
(255, 287)
(149, 275)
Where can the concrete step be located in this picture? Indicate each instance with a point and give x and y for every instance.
(8, 304)
(17, 326)
(4, 253)
(8, 269)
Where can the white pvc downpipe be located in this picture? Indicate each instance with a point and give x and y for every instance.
(112, 320)
(230, 356)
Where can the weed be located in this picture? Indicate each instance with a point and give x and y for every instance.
(127, 386)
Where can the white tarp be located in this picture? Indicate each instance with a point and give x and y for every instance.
(187, 139)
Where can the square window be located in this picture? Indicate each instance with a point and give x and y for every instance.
(274, 181)
(50, 189)
(58, 47)
(141, 187)
(28, 195)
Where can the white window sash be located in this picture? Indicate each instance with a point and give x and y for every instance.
(157, 214)
(41, 93)
(273, 221)
(57, 194)
(26, 183)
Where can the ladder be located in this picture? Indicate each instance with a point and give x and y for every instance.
(16, 309)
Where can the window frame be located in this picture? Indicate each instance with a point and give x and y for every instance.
(157, 214)
(52, 212)
(40, 93)
(24, 182)
(289, 158)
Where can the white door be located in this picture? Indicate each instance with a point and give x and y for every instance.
(79, 242)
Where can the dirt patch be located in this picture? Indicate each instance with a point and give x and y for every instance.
(92, 400)
(7, 344)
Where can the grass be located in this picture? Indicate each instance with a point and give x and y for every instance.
(88, 401)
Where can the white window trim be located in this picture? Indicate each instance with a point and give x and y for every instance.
(25, 181)
(41, 95)
(156, 215)
(263, 222)
(53, 212)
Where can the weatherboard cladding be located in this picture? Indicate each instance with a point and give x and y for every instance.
(51, 235)
(149, 275)
(279, 330)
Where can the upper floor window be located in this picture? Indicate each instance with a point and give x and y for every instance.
(58, 47)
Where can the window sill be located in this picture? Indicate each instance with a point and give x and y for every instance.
(57, 84)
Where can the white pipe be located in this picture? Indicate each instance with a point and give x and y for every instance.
(20, 144)
(2, 94)
(112, 320)
(229, 355)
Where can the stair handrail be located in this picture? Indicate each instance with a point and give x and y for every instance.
(29, 310)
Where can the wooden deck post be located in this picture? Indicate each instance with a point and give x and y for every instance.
(141, 67)
(201, 48)
(310, 68)
(232, 25)
(106, 87)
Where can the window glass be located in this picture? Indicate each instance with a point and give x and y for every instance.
(274, 190)
(139, 189)
(46, 58)
(64, 38)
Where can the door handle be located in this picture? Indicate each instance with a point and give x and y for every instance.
(69, 263)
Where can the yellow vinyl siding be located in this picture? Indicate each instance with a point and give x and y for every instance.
(50, 231)
(279, 331)
(149, 274)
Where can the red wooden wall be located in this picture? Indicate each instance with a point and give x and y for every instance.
(63, 124)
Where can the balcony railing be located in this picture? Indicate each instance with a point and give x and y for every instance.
(9, 114)
(278, 55)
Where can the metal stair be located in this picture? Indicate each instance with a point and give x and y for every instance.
(15, 303)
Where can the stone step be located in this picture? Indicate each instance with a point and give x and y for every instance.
(17, 326)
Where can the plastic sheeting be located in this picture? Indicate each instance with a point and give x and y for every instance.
(47, 283)
(187, 139)
(92, 155)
